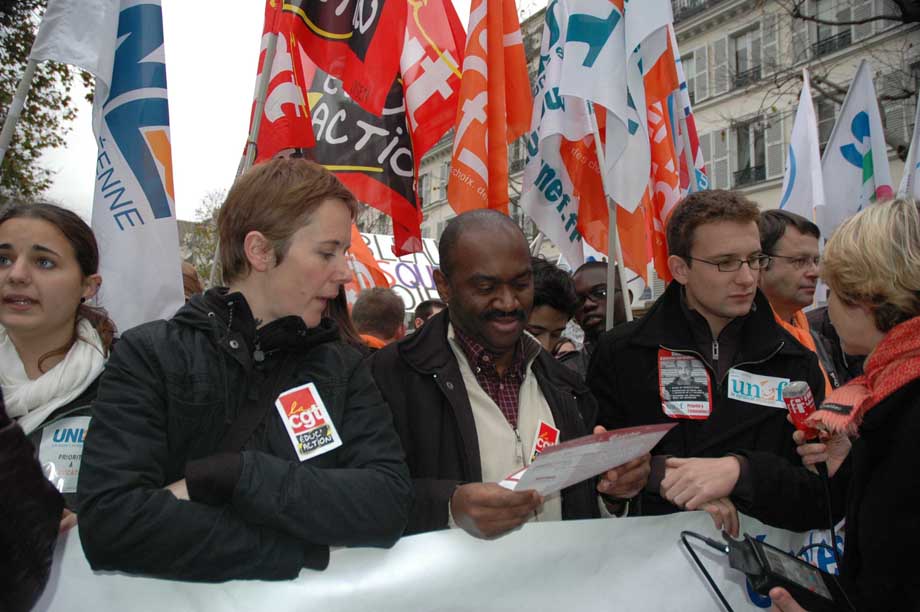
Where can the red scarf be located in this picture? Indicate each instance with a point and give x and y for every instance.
(894, 363)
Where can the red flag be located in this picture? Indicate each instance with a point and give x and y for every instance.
(359, 43)
(431, 61)
(494, 109)
(285, 118)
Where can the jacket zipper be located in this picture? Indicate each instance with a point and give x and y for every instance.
(520, 447)
(747, 363)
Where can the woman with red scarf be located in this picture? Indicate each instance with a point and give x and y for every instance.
(872, 267)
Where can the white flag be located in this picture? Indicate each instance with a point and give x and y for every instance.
(549, 194)
(855, 162)
(803, 185)
(121, 42)
(910, 182)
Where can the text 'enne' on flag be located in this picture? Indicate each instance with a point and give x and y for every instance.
(285, 117)
(803, 185)
(359, 43)
(430, 66)
(121, 43)
(910, 182)
(494, 107)
(855, 162)
(372, 155)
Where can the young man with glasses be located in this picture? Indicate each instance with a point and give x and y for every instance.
(789, 282)
(714, 316)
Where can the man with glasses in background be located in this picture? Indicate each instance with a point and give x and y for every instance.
(591, 310)
(714, 316)
(591, 303)
(790, 281)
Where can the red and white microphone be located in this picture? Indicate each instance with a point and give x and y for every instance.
(800, 403)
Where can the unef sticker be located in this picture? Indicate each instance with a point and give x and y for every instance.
(756, 388)
(684, 386)
(547, 436)
(307, 421)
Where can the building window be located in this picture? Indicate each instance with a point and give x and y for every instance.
(747, 57)
(826, 111)
(831, 38)
(750, 154)
(689, 64)
(516, 157)
(424, 189)
(443, 177)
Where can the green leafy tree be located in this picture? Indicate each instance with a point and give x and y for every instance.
(48, 111)
(200, 240)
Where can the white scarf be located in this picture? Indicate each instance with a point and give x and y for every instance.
(30, 402)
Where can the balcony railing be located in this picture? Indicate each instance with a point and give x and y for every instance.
(746, 77)
(831, 44)
(750, 175)
(684, 9)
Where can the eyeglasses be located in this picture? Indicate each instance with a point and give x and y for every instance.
(756, 262)
(596, 293)
(800, 262)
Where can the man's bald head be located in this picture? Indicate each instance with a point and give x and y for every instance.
(479, 222)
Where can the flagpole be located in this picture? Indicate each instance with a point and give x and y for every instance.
(613, 239)
(537, 244)
(249, 154)
(19, 100)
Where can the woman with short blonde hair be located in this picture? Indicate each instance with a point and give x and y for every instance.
(872, 267)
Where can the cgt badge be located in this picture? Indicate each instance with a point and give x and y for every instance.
(307, 421)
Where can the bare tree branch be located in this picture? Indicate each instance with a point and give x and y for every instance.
(909, 13)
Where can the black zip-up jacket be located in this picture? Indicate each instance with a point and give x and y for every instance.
(420, 379)
(879, 487)
(166, 399)
(623, 376)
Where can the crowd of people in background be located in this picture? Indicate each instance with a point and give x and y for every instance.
(267, 415)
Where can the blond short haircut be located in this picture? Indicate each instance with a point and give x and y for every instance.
(276, 198)
(873, 259)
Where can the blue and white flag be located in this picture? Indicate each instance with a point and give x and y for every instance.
(803, 185)
(121, 43)
(910, 182)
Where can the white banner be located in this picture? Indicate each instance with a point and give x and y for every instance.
(549, 196)
(603, 564)
(855, 162)
(134, 215)
(803, 185)
(910, 182)
(410, 276)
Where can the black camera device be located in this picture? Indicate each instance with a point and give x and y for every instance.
(767, 567)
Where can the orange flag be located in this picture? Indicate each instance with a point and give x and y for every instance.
(494, 108)
(366, 272)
